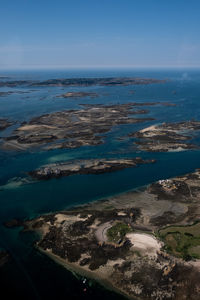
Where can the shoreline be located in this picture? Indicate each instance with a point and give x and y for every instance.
(73, 268)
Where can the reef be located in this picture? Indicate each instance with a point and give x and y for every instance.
(91, 166)
(125, 241)
(167, 137)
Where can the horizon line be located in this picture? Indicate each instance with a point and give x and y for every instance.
(74, 67)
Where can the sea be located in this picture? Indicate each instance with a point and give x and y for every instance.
(30, 274)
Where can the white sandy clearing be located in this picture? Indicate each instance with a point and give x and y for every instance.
(31, 127)
(150, 128)
(62, 217)
(121, 213)
(178, 149)
(144, 243)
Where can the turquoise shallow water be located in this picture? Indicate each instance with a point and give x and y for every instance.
(31, 274)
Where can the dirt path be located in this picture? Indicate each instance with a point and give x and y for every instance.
(101, 233)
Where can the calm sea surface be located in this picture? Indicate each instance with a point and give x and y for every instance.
(30, 274)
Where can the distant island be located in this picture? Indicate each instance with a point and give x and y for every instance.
(78, 95)
(110, 81)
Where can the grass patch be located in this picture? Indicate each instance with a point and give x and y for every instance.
(118, 231)
(182, 241)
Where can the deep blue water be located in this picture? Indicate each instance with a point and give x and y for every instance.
(31, 274)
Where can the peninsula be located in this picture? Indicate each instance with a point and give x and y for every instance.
(144, 244)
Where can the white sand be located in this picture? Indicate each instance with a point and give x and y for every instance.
(150, 128)
(62, 217)
(144, 243)
(31, 127)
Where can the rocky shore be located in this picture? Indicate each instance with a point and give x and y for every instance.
(122, 241)
(91, 166)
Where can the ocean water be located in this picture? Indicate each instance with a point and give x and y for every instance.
(30, 274)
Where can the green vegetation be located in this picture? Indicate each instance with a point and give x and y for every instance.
(117, 232)
(182, 241)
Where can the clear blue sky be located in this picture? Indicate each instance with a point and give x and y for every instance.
(90, 33)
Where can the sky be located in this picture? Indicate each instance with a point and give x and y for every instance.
(99, 33)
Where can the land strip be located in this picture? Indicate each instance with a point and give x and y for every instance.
(91, 166)
(122, 241)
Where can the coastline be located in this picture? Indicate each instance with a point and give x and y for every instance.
(135, 218)
(74, 268)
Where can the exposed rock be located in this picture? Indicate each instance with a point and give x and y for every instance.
(134, 263)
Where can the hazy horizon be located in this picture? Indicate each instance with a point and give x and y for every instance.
(106, 34)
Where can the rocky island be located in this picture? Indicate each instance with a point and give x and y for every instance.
(167, 137)
(73, 128)
(78, 95)
(144, 244)
(91, 166)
